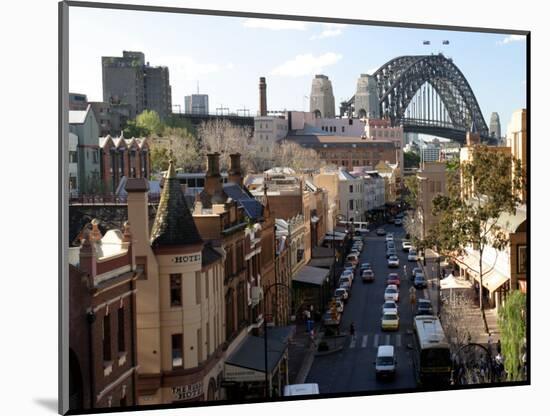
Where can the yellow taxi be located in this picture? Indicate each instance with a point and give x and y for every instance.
(390, 321)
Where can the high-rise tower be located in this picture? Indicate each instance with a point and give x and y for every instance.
(366, 97)
(321, 99)
(494, 127)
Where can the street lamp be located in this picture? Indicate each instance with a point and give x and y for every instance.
(267, 389)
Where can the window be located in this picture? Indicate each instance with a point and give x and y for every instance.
(198, 296)
(175, 290)
(120, 327)
(351, 204)
(94, 156)
(106, 338)
(351, 188)
(207, 284)
(141, 267)
(208, 349)
(343, 129)
(199, 345)
(177, 350)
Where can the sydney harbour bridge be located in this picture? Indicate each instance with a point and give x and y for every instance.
(425, 94)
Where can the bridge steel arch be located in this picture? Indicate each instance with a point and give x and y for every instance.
(401, 78)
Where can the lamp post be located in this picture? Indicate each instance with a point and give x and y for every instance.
(267, 389)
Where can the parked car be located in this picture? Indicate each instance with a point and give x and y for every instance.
(424, 307)
(391, 293)
(390, 322)
(390, 252)
(385, 363)
(406, 245)
(341, 294)
(349, 265)
(412, 255)
(331, 319)
(393, 279)
(390, 244)
(398, 222)
(347, 272)
(389, 237)
(420, 281)
(358, 238)
(365, 266)
(380, 231)
(345, 282)
(367, 275)
(339, 306)
(393, 261)
(357, 247)
(389, 307)
(414, 271)
(353, 258)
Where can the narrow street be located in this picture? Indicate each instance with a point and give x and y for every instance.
(352, 369)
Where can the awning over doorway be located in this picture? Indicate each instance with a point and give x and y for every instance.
(492, 278)
(247, 362)
(311, 275)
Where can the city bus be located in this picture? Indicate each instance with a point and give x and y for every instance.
(432, 355)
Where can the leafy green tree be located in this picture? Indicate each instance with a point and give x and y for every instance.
(411, 160)
(511, 321)
(481, 190)
(133, 130)
(150, 120)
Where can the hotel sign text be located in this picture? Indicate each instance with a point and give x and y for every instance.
(195, 258)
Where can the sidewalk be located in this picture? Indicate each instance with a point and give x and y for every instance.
(300, 354)
(472, 316)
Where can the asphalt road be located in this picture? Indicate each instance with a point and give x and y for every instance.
(352, 369)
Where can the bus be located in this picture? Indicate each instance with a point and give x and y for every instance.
(432, 357)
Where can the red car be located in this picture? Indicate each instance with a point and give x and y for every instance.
(393, 279)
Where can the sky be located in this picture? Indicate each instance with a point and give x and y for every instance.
(225, 56)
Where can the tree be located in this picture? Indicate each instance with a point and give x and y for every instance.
(150, 120)
(179, 145)
(133, 130)
(468, 214)
(292, 155)
(411, 160)
(511, 321)
(224, 137)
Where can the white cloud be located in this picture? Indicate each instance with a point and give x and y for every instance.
(511, 38)
(275, 24)
(188, 69)
(306, 64)
(330, 30)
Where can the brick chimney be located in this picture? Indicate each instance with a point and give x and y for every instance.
(235, 172)
(213, 179)
(263, 98)
(138, 214)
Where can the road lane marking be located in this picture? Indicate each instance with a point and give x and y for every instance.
(398, 340)
(375, 340)
(364, 341)
(388, 339)
(352, 343)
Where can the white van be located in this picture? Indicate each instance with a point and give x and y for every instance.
(385, 361)
(301, 389)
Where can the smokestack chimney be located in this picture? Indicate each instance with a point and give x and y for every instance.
(263, 98)
(235, 172)
(213, 179)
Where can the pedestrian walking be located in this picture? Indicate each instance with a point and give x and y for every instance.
(352, 330)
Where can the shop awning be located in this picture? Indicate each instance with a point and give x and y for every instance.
(492, 278)
(247, 363)
(311, 275)
(323, 262)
